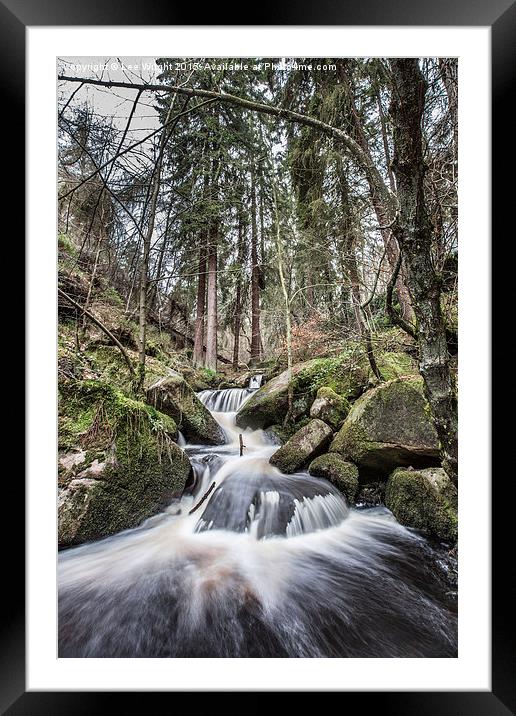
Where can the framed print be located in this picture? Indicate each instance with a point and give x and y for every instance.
(259, 354)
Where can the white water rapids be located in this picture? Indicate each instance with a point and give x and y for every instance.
(270, 565)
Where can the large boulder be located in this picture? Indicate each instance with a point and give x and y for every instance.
(269, 404)
(424, 499)
(118, 462)
(330, 407)
(343, 474)
(387, 427)
(173, 396)
(308, 442)
(348, 375)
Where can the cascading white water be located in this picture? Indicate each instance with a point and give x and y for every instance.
(270, 565)
(255, 381)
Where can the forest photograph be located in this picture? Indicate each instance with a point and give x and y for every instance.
(257, 359)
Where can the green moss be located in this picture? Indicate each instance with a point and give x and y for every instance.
(344, 475)
(66, 244)
(395, 364)
(387, 427)
(344, 374)
(111, 295)
(173, 396)
(137, 467)
(351, 441)
(330, 407)
(308, 442)
(417, 502)
(268, 406)
(92, 405)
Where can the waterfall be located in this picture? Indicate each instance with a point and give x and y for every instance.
(228, 400)
(268, 565)
(255, 382)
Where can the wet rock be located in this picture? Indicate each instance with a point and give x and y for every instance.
(174, 397)
(276, 435)
(424, 499)
(389, 426)
(269, 404)
(308, 442)
(344, 475)
(118, 463)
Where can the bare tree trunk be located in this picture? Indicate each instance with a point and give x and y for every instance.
(288, 320)
(198, 350)
(378, 193)
(414, 233)
(212, 317)
(350, 263)
(448, 68)
(144, 271)
(238, 297)
(153, 293)
(255, 277)
(385, 140)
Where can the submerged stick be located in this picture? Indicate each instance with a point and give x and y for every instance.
(210, 488)
(241, 443)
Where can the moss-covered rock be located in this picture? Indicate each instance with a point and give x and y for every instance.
(344, 475)
(424, 499)
(395, 364)
(387, 427)
(118, 463)
(330, 407)
(308, 442)
(347, 375)
(269, 404)
(174, 397)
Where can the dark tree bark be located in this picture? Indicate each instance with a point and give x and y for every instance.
(212, 314)
(198, 350)
(414, 233)
(385, 140)
(144, 270)
(448, 68)
(256, 340)
(238, 294)
(378, 195)
(349, 261)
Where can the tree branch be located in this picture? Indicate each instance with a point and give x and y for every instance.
(362, 157)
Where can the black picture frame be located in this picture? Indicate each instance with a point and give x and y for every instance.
(500, 15)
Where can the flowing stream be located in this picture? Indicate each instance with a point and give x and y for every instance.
(268, 565)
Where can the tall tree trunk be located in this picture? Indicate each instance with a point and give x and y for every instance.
(198, 350)
(378, 194)
(144, 269)
(349, 260)
(414, 234)
(200, 311)
(212, 314)
(238, 294)
(448, 68)
(385, 140)
(255, 277)
(288, 318)
(154, 291)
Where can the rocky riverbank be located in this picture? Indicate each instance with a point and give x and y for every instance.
(120, 457)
